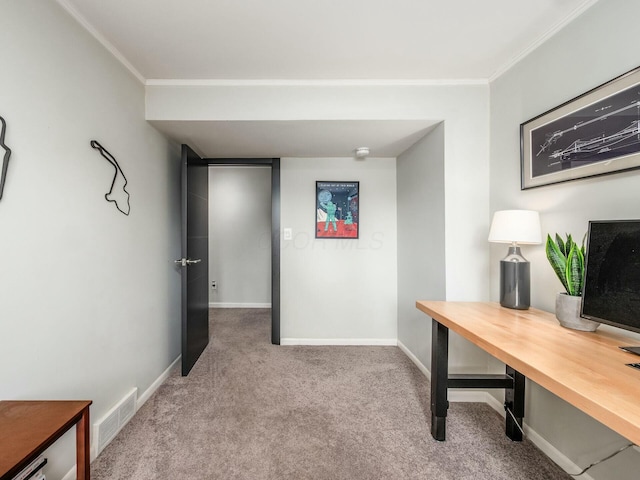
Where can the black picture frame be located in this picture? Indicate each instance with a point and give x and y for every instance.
(337, 209)
(596, 133)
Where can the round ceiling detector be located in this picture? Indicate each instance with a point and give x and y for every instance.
(362, 152)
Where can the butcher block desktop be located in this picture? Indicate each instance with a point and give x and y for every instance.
(586, 369)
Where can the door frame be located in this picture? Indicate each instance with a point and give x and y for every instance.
(274, 163)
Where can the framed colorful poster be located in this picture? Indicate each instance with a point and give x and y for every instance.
(337, 209)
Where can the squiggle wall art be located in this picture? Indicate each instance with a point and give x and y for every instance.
(5, 156)
(117, 194)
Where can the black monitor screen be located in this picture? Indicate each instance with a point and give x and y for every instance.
(611, 291)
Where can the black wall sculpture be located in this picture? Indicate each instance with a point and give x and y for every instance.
(117, 194)
(7, 154)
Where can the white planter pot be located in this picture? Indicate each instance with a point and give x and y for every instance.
(568, 314)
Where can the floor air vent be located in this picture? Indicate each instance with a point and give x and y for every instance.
(108, 426)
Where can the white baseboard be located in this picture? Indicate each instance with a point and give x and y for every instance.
(553, 453)
(484, 397)
(372, 342)
(425, 371)
(71, 474)
(238, 305)
(156, 384)
(494, 403)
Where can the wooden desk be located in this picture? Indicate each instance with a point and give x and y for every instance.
(27, 428)
(585, 369)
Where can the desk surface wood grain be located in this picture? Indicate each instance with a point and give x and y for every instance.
(586, 369)
(28, 427)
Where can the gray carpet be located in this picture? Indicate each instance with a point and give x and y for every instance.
(250, 410)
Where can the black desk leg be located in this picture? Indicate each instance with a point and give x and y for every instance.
(439, 379)
(514, 401)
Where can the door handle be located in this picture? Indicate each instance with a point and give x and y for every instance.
(183, 262)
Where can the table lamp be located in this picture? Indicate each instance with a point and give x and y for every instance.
(515, 227)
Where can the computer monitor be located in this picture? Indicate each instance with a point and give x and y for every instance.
(611, 292)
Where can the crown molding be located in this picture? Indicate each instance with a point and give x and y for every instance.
(71, 10)
(542, 39)
(312, 83)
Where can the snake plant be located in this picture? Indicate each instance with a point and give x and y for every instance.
(567, 260)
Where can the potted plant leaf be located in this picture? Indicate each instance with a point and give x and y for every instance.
(567, 260)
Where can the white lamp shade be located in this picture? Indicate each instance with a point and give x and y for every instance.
(521, 226)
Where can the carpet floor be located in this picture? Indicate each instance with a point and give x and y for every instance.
(251, 410)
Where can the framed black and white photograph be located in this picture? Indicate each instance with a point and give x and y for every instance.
(337, 209)
(596, 133)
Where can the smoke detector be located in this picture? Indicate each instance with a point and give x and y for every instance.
(362, 152)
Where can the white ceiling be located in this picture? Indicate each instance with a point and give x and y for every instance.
(295, 40)
(267, 139)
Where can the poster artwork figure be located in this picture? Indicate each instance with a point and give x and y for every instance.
(349, 220)
(330, 208)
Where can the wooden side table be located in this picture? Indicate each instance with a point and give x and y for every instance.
(27, 428)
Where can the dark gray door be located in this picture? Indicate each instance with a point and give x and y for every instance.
(195, 257)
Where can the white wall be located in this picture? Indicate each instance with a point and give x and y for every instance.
(421, 239)
(339, 289)
(593, 49)
(240, 236)
(422, 263)
(89, 298)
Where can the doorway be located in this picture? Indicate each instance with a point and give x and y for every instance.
(268, 238)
